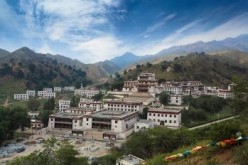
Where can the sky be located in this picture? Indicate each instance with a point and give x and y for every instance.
(97, 30)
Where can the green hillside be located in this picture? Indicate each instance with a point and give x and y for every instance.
(24, 69)
(211, 70)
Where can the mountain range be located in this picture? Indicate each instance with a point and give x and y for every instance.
(239, 43)
(100, 71)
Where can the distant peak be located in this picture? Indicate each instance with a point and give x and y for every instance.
(128, 54)
(25, 49)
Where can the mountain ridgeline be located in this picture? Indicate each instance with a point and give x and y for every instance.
(210, 69)
(32, 70)
(237, 44)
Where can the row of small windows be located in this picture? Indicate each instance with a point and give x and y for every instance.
(166, 121)
(129, 106)
(162, 115)
(126, 110)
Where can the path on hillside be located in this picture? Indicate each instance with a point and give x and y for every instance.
(207, 124)
(6, 103)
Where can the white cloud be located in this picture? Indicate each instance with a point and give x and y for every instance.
(158, 25)
(101, 48)
(45, 49)
(191, 33)
(76, 23)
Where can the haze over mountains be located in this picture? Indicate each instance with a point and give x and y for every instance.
(239, 43)
(103, 69)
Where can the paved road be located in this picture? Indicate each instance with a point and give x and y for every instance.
(207, 124)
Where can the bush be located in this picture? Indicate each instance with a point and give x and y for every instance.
(241, 154)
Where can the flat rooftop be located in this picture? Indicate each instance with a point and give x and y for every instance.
(108, 114)
(144, 121)
(132, 159)
(165, 110)
(66, 115)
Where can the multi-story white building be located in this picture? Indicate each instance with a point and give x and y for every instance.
(119, 123)
(49, 95)
(129, 160)
(49, 90)
(31, 93)
(69, 88)
(41, 93)
(224, 93)
(95, 105)
(64, 104)
(175, 99)
(57, 89)
(21, 96)
(36, 124)
(172, 87)
(146, 82)
(208, 90)
(143, 124)
(126, 106)
(166, 117)
(33, 115)
(85, 92)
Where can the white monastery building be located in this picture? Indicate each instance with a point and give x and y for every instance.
(21, 96)
(49, 90)
(31, 93)
(143, 124)
(57, 89)
(175, 99)
(69, 88)
(126, 106)
(64, 104)
(166, 117)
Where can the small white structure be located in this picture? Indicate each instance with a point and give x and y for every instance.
(41, 93)
(57, 89)
(212, 91)
(130, 160)
(175, 99)
(126, 106)
(21, 96)
(36, 124)
(88, 93)
(165, 117)
(95, 105)
(223, 93)
(34, 114)
(143, 124)
(31, 93)
(49, 95)
(69, 88)
(64, 104)
(49, 90)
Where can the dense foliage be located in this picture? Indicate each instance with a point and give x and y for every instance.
(49, 104)
(10, 120)
(164, 98)
(54, 153)
(215, 71)
(200, 108)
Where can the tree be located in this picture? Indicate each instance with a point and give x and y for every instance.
(66, 155)
(144, 114)
(164, 98)
(240, 90)
(98, 96)
(33, 105)
(49, 104)
(74, 101)
(54, 153)
(44, 116)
